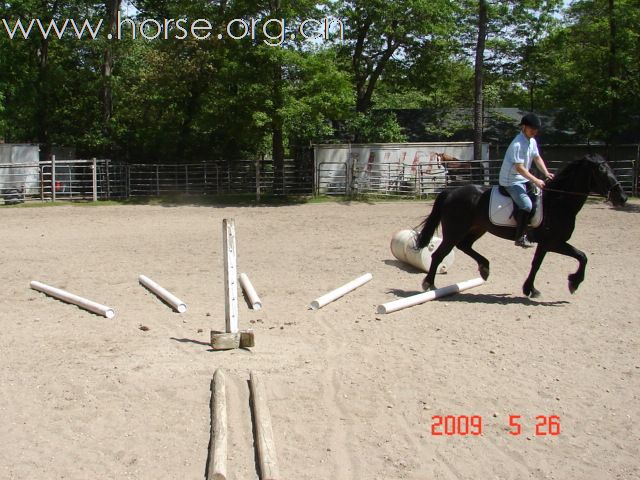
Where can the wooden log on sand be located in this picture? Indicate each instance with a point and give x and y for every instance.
(264, 432)
(217, 468)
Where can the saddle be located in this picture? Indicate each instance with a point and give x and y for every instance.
(502, 210)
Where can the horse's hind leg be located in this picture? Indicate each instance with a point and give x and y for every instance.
(436, 259)
(466, 246)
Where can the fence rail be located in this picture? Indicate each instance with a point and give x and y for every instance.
(213, 179)
(66, 180)
(102, 179)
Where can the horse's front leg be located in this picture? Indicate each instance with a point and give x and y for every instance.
(528, 289)
(575, 279)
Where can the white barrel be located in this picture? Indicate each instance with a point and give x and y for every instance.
(403, 247)
(399, 241)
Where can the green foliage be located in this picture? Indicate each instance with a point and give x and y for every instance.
(317, 93)
(594, 85)
(376, 127)
(388, 35)
(190, 100)
(49, 85)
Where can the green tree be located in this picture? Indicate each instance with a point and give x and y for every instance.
(49, 82)
(381, 33)
(593, 76)
(507, 52)
(478, 92)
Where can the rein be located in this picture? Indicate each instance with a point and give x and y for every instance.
(608, 195)
(546, 189)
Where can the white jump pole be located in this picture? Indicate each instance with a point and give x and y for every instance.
(177, 304)
(251, 293)
(340, 291)
(74, 299)
(401, 303)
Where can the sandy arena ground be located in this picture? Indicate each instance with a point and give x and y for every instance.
(352, 393)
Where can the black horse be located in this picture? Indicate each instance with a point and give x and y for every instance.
(464, 215)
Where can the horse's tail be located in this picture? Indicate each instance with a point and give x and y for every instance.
(429, 224)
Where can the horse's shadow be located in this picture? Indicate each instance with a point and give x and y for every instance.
(487, 298)
(629, 208)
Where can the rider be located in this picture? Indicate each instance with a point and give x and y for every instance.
(514, 173)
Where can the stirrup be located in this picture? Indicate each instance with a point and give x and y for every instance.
(523, 242)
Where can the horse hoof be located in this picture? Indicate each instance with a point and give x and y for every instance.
(531, 292)
(426, 286)
(573, 284)
(484, 272)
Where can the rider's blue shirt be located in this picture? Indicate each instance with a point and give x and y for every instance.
(522, 150)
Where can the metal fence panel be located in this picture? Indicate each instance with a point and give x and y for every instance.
(216, 178)
(395, 179)
(102, 179)
(332, 178)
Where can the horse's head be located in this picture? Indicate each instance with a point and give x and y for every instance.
(604, 181)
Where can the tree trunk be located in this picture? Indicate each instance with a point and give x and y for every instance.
(277, 125)
(478, 107)
(613, 75)
(42, 117)
(277, 122)
(112, 8)
(191, 109)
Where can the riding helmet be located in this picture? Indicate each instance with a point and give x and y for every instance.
(531, 120)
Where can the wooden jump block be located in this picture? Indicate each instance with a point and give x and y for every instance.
(229, 341)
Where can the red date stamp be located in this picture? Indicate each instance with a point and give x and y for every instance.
(462, 425)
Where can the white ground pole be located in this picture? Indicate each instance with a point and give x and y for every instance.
(251, 293)
(74, 299)
(401, 303)
(230, 275)
(266, 446)
(177, 304)
(340, 291)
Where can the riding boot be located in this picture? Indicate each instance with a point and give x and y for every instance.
(522, 220)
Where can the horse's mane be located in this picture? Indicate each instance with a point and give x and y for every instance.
(568, 174)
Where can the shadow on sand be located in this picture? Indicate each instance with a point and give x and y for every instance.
(486, 298)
